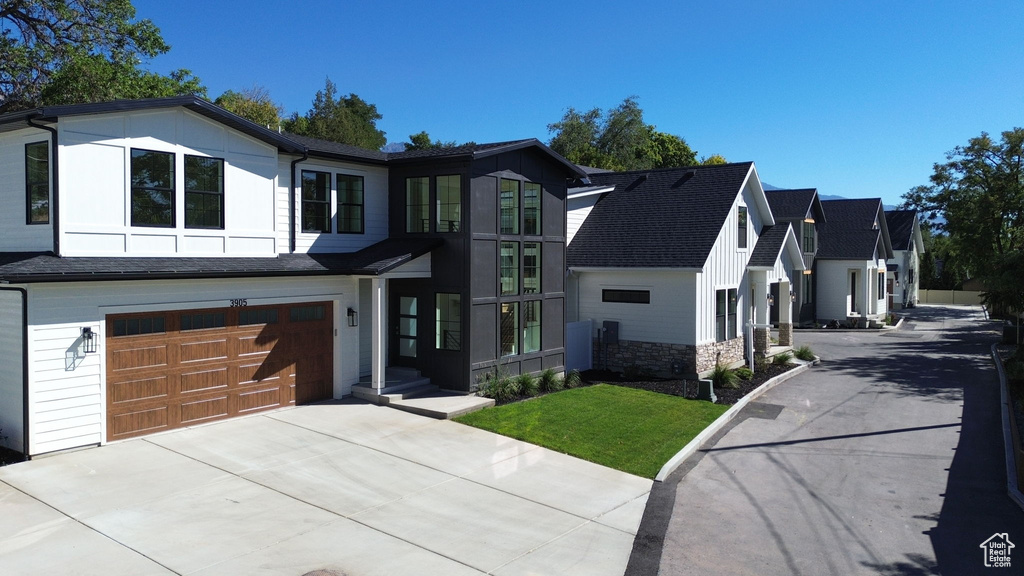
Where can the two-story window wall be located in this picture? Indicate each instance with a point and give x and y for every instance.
(520, 270)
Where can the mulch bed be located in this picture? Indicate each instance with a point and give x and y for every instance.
(687, 388)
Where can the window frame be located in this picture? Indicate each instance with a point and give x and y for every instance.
(29, 184)
(742, 223)
(625, 296)
(538, 230)
(805, 297)
(536, 268)
(445, 203)
(732, 306)
(342, 206)
(531, 326)
(512, 207)
(452, 301)
(513, 330)
(171, 192)
(206, 193)
(326, 203)
(808, 237)
(424, 215)
(513, 266)
(721, 315)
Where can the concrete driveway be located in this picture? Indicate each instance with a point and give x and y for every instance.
(885, 459)
(348, 487)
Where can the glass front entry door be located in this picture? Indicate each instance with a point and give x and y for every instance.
(405, 330)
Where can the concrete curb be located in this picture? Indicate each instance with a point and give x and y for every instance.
(724, 419)
(861, 330)
(1012, 488)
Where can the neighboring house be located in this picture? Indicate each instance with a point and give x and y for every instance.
(165, 263)
(853, 248)
(903, 281)
(802, 210)
(671, 264)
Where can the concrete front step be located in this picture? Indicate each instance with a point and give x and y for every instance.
(441, 404)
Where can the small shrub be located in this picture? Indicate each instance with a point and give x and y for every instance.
(549, 381)
(782, 359)
(804, 353)
(501, 389)
(637, 372)
(572, 379)
(722, 377)
(760, 363)
(744, 373)
(527, 385)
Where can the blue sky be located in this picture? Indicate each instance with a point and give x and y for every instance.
(857, 99)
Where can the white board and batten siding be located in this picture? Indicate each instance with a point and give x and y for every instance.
(12, 389)
(577, 210)
(18, 235)
(833, 290)
(375, 207)
(669, 318)
(67, 387)
(95, 186)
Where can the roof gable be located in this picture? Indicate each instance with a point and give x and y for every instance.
(796, 204)
(853, 231)
(668, 218)
(903, 225)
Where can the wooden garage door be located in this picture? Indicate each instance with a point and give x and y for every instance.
(171, 369)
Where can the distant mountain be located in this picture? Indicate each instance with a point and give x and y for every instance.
(394, 147)
(766, 186)
(834, 197)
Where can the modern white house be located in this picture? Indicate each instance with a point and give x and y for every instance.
(903, 280)
(800, 209)
(854, 247)
(165, 263)
(668, 266)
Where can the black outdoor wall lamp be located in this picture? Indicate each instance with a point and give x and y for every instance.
(771, 300)
(89, 340)
(353, 317)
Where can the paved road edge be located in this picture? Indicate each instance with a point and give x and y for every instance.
(1012, 488)
(713, 428)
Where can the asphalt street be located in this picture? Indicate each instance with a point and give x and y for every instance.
(887, 458)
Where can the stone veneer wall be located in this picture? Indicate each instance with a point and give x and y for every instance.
(762, 341)
(785, 334)
(658, 357)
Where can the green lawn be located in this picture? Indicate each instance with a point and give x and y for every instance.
(623, 428)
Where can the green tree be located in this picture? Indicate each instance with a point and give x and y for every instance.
(713, 160)
(979, 192)
(253, 104)
(422, 141)
(343, 119)
(618, 140)
(99, 40)
(94, 78)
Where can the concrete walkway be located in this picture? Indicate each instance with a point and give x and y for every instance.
(349, 487)
(885, 459)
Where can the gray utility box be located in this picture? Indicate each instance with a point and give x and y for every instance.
(611, 332)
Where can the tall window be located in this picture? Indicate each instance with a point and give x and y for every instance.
(741, 218)
(509, 328)
(316, 201)
(531, 267)
(417, 204)
(531, 208)
(509, 206)
(731, 320)
(720, 314)
(881, 284)
(37, 182)
(350, 204)
(449, 203)
(806, 289)
(152, 188)
(808, 236)
(509, 268)
(531, 326)
(204, 192)
(449, 322)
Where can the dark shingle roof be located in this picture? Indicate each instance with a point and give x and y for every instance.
(659, 218)
(901, 228)
(769, 246)
(848, 233)
(373, 260)
(791, 204)
(330, 149)
(473, 151)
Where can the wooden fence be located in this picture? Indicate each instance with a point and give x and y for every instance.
(968, 297)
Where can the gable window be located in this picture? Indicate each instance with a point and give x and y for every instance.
(449, 322)
(509, 206)
(808, 236)
(350, 204)
(509, 268)
(626, 296)
(152, 188)
(531, 208)
(204, 192)
(417, 204)
(316, 201)
(741, 218)
(509, 328)
(531, 326)
(531, 267)
(449, 203)
(37, 182)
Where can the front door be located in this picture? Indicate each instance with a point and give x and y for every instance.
(404, 330)
(888, 291)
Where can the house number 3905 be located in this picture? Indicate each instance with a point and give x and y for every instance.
(239, 302)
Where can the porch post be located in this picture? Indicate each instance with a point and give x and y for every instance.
(869, 293)
(378, 289)
(762, 335)
(785, 314)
